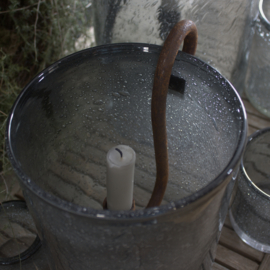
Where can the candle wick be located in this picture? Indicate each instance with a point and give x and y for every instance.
(119, 152)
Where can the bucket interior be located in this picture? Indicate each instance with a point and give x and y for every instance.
(72, 113)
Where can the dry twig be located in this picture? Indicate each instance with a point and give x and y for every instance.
(18, 9)
(35, 31)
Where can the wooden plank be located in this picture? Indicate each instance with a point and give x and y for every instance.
(251, 130)
(234, 261)
(256, 119)
(257, 122)
(265, 264)
(216, 266)
(232, 241)
(250, 109)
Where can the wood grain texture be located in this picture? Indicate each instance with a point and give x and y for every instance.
(251, 130)
(257, 122)
(233, 260)
(265, 264)
(231, 240)
(251, 110)
(218, 267)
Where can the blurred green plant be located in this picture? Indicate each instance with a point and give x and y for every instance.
(33, 35)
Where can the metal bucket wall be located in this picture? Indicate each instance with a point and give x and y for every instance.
(183, 238)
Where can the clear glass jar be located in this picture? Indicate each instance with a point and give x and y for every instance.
(257, 84)
(250, 209)
(224, 27)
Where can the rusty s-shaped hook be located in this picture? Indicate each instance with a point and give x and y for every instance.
(183, 31)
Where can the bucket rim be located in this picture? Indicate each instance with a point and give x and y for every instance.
(141, 213)
(246, 177)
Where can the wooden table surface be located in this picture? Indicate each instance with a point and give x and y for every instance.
(232, 252)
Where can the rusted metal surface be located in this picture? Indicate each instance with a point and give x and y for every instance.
(183, 31)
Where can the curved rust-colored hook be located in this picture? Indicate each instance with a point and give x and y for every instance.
(184, 30)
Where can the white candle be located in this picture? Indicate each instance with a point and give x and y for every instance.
(120, 177)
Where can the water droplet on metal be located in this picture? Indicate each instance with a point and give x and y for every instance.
(124, 93)
(116, 94)
(98, 102)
